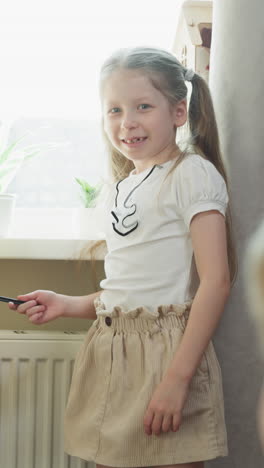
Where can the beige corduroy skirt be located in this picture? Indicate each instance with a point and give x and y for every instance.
(117, 369)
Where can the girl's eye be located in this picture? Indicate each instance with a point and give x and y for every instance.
(144, 106)
(114, 110)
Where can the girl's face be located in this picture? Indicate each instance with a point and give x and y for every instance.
(138, 119)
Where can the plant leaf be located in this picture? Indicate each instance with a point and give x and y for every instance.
(88, 192)
(5, 154)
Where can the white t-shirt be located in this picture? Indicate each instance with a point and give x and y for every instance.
(150, 255)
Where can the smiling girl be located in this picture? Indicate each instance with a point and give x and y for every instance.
(147, 387)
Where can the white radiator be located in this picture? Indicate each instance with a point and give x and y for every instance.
(35, 374)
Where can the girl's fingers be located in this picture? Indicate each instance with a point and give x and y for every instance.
(167, 423)
(24, 297)
(29, 296)
(148, 421)
(154, 423)
(35, 318)
(23, 308)
(32, 307)
(176, 422)
(35, 310)
(157, 423)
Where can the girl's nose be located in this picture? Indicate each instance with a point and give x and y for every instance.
(128, 122)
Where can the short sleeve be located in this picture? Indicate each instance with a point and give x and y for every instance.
(199, 187)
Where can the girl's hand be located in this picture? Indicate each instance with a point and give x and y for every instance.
(41, 306)
(164, 412)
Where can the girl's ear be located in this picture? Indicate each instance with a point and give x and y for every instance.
(180, 113)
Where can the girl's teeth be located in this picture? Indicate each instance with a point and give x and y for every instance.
(134, 140)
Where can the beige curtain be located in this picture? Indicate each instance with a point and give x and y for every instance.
(237, 85)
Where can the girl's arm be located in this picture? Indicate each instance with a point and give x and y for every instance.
(208, 235)
(43, 306)
(81, 306)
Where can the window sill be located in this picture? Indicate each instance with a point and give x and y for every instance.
(50, 235)
(49, 249)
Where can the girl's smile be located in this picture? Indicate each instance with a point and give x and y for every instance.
(134, 142)
(138, 119)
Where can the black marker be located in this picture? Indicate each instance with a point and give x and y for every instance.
(9, 299)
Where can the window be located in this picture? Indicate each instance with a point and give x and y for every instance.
(51, 54)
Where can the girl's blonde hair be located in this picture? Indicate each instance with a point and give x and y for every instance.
(166, 74)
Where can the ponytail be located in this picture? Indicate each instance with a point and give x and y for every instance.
(204, 140)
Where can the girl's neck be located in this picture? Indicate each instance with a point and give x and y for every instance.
(141, 166)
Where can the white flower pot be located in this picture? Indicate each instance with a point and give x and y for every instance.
(7, 205)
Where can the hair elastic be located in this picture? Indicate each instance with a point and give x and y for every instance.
(189, 74)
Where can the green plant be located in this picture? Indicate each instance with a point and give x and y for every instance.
(88, 192)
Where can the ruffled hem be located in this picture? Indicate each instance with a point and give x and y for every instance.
(142, 311)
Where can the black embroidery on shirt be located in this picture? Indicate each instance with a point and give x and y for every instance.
(132, 226)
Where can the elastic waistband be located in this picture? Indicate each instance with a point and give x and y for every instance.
(140, 319)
